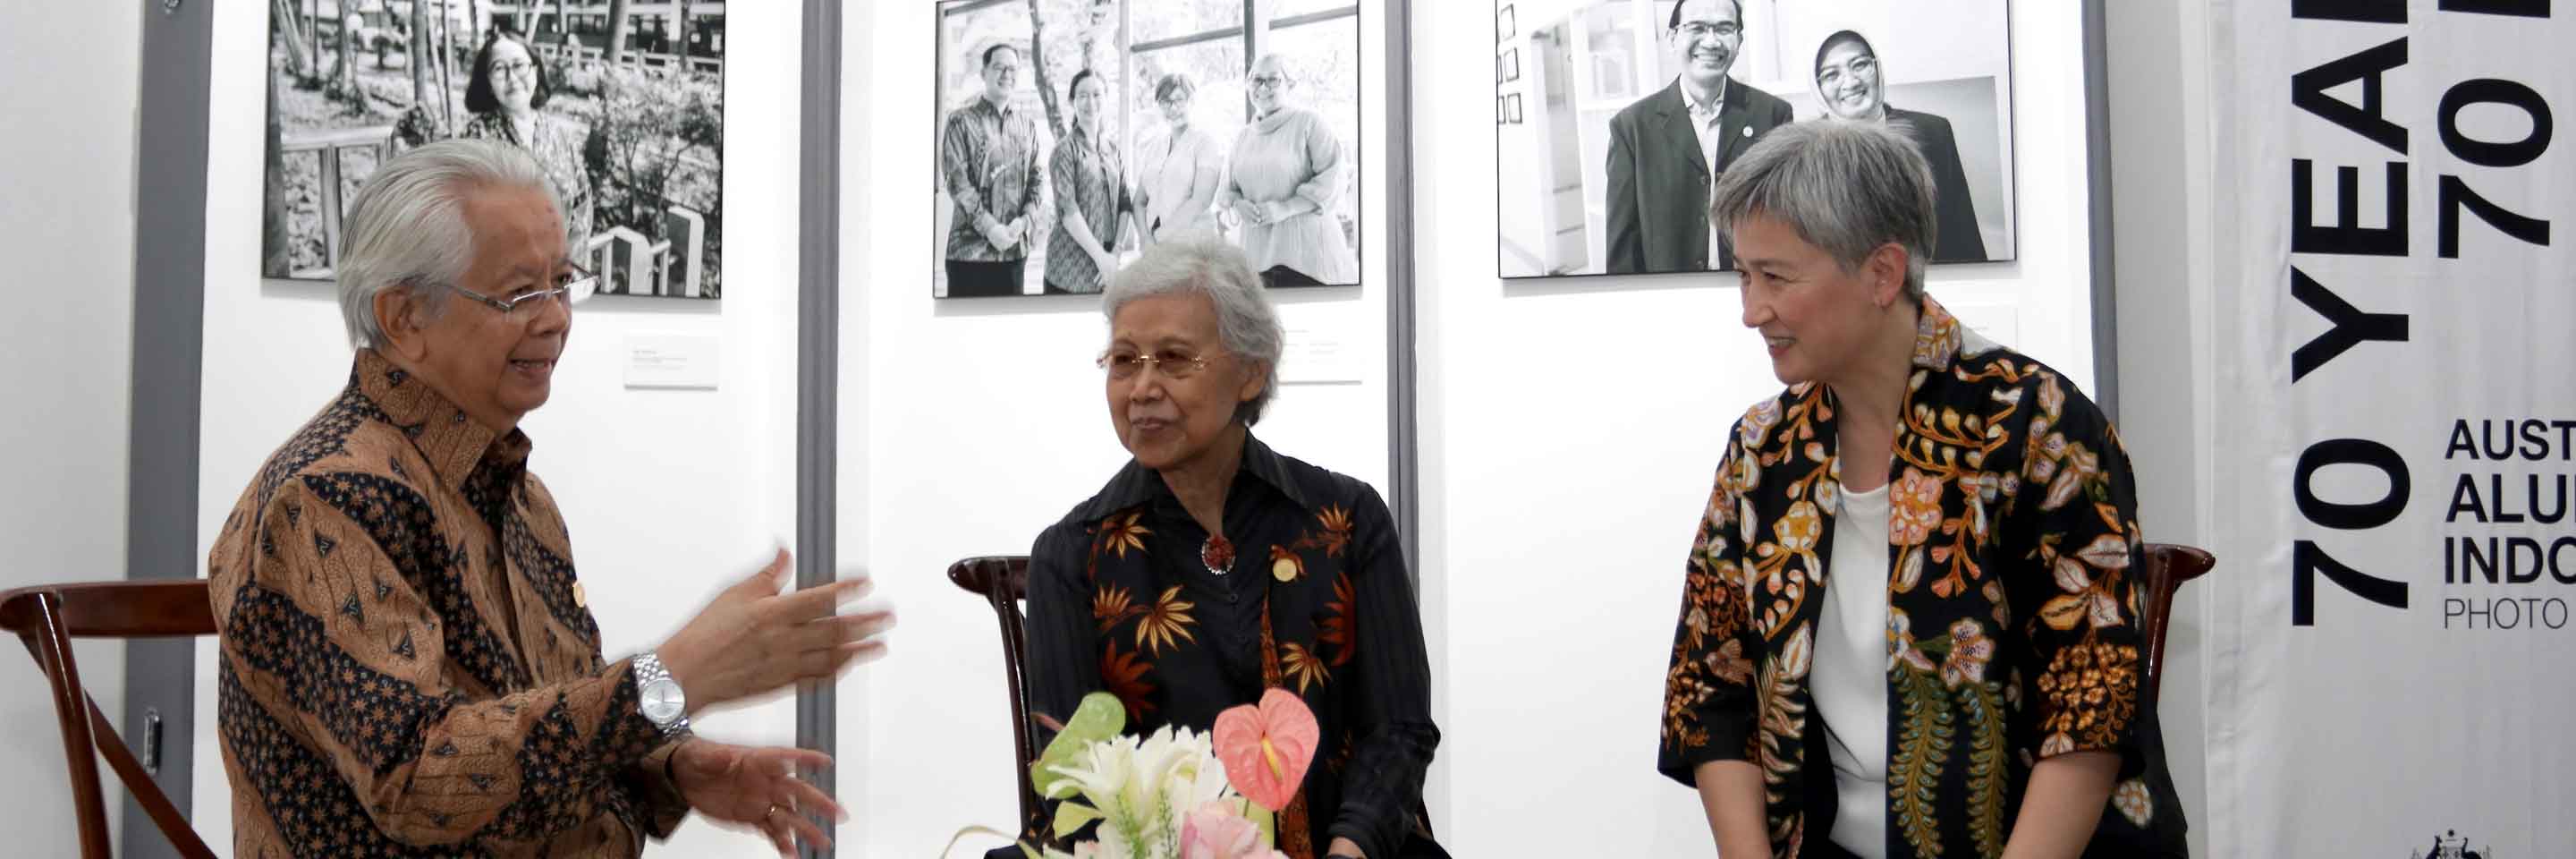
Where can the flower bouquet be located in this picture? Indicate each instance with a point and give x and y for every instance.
(1175, 794)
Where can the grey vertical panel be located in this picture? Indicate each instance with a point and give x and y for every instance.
(2097, 174)
(169, 318)
(1403, 451)
(818, 350)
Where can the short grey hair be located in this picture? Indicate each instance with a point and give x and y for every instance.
(1287, 70)
(406, 227)
(1845, 187)
(1201, 264)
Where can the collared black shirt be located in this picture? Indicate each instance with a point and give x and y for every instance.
(1120, 601)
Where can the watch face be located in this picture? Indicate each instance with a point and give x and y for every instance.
(661, 701)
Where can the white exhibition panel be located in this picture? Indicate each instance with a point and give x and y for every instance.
(69, 229)
(985, 420)
(2162, 224)
(1570, 430)
(669, 494)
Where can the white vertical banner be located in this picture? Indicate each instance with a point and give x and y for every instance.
(2393, 626)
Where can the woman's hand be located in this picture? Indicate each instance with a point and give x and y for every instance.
(1345, 847)
(1251, 212)
(1276, 211)
(1103, 263)
(755, 788)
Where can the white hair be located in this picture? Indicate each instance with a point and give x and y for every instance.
(406, 227)
(1201, 264)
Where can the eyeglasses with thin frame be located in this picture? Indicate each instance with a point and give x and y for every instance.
(573, 286)
(1696, 29)
(1269, 81)
(1832, 76)
(514, 67)
(1173, 364)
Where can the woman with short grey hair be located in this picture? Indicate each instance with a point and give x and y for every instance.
(1909, 624)
(1211, 568)
(1284, 185)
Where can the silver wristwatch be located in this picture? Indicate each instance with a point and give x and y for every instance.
(658, 696)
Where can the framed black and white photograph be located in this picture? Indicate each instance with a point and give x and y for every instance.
(621, 104)
(1507, 66)
(1632, 109)
(1071, 133)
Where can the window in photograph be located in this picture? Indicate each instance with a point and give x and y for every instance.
(1172, 20)
(1286, 10)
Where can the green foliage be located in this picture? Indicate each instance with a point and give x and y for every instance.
(1098, 718)
(1914, 775)
(1985, 766)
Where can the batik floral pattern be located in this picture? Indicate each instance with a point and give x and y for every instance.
(2012, 624)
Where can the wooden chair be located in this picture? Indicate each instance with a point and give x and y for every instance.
(46, 619)
(2168, 566)
(1003, 581)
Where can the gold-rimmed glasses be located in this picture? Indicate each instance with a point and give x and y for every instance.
(1173, 364)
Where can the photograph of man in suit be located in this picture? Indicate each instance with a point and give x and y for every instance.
(1667, 149)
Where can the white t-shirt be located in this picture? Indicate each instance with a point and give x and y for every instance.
(1849, 674)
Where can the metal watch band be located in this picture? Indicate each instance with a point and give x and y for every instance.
(649, 671)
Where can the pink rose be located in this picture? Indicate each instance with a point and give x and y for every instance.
(1215, 831)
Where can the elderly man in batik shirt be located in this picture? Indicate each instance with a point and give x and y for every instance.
(988, 161)
(408, 664)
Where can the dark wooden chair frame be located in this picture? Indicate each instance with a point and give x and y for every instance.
(46, 619)
(2168, 566)
(1003, 581)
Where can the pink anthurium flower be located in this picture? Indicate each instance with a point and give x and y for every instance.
(1266, 749)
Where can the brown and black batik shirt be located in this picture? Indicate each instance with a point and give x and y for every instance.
(408, 667)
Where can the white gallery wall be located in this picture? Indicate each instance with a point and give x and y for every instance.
(67, 226)
(1570, 430)
(668, 494)
(2162, 212)
(985, 422)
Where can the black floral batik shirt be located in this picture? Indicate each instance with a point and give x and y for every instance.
(1316, 601)
(2012, 618)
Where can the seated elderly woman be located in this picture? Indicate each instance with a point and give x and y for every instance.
(1211, 568)
(1909, 626)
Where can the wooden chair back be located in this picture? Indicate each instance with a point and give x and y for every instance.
(1003, 581)
(46, 619)
(2168, 566)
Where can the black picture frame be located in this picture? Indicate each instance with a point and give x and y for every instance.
(1959, 99)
